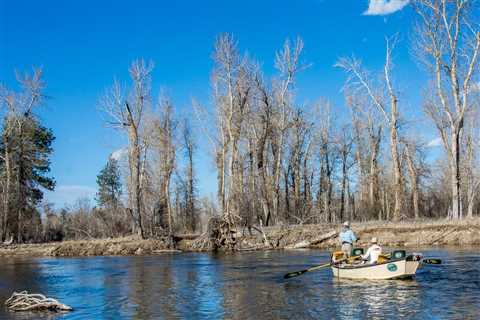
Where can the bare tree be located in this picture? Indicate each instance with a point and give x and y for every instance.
(384, 98)
(367, 135)
(232, 88)
(126, 112)
(447, 42)
(471, 163)
(189, 147)
(413, 153)
(289, 65)
(345, 149)
(326, 157)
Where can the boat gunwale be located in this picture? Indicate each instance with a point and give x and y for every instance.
(349, 267)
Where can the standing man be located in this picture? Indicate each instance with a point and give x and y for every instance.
(347, 238)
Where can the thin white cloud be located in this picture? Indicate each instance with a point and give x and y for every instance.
(437, 142)
(119, 154)
(384, 7)
(69, 194)
(476, 87)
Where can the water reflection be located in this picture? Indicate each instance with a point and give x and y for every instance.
(241, 286)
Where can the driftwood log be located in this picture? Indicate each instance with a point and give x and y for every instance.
(24, 301)
(308, 243)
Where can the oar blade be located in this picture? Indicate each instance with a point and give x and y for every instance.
(299, 273)
(294, 274)
(432, 261)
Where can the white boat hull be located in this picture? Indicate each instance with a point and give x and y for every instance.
(399, 269)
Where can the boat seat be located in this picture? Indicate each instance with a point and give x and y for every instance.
(399, 254)
(383, 258)
(337, 256)
(354, 260)
(357, 251)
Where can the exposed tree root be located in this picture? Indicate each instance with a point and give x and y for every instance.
(220, 236)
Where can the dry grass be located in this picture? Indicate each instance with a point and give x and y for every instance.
(401, 234)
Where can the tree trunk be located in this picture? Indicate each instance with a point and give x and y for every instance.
(7, 190)
(397, 173)
(413, 180)
(191, 191)
(221, 179)
(166, 192)
(135, 169)
(455, 175)
(344, 182)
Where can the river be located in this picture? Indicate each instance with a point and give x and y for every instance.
(241, 286)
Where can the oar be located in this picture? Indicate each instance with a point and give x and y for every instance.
(299, 273)
(432, 261)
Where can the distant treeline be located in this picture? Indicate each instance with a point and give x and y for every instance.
(278, 161)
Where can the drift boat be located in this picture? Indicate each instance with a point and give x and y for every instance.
(396, 265)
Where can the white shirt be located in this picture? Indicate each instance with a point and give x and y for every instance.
(372, 253)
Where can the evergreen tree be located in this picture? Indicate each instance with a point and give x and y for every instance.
(34, 162)
(109, 185)
(29, 151)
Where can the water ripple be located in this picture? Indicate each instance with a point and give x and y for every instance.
(241, 286)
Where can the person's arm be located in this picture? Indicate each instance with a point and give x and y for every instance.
(353, 237)
(343, 237)
(366, 255)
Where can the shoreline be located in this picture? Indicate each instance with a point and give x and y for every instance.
(429, 233)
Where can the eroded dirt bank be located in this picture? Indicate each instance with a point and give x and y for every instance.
(405, 234)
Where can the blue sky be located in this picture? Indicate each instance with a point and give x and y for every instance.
(83, 45)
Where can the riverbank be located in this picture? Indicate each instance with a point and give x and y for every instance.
(403, 234)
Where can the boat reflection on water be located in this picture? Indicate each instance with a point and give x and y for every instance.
(378, 299)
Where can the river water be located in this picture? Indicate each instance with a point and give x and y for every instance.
(241, 286)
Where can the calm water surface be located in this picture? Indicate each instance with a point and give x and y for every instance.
(241, 286)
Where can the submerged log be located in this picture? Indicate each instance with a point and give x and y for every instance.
(24, 301)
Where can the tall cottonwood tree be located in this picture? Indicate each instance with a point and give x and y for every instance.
(165, 133)
(231, 81)
(384, 97)
(414, 159)
(345, 145)
(327, 160)
(471, 162)
(190, 147)
(288, 64)
(447, 43)
(126, 112)
(367, 136)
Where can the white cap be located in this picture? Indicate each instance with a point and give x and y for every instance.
(346, 224)
(374, 240)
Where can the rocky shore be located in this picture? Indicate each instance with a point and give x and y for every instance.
(325, 236)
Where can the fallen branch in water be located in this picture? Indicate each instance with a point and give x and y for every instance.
(167, 251)
(24, 301)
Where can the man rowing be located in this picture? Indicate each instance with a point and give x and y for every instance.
(373, 252)
(347, 238)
